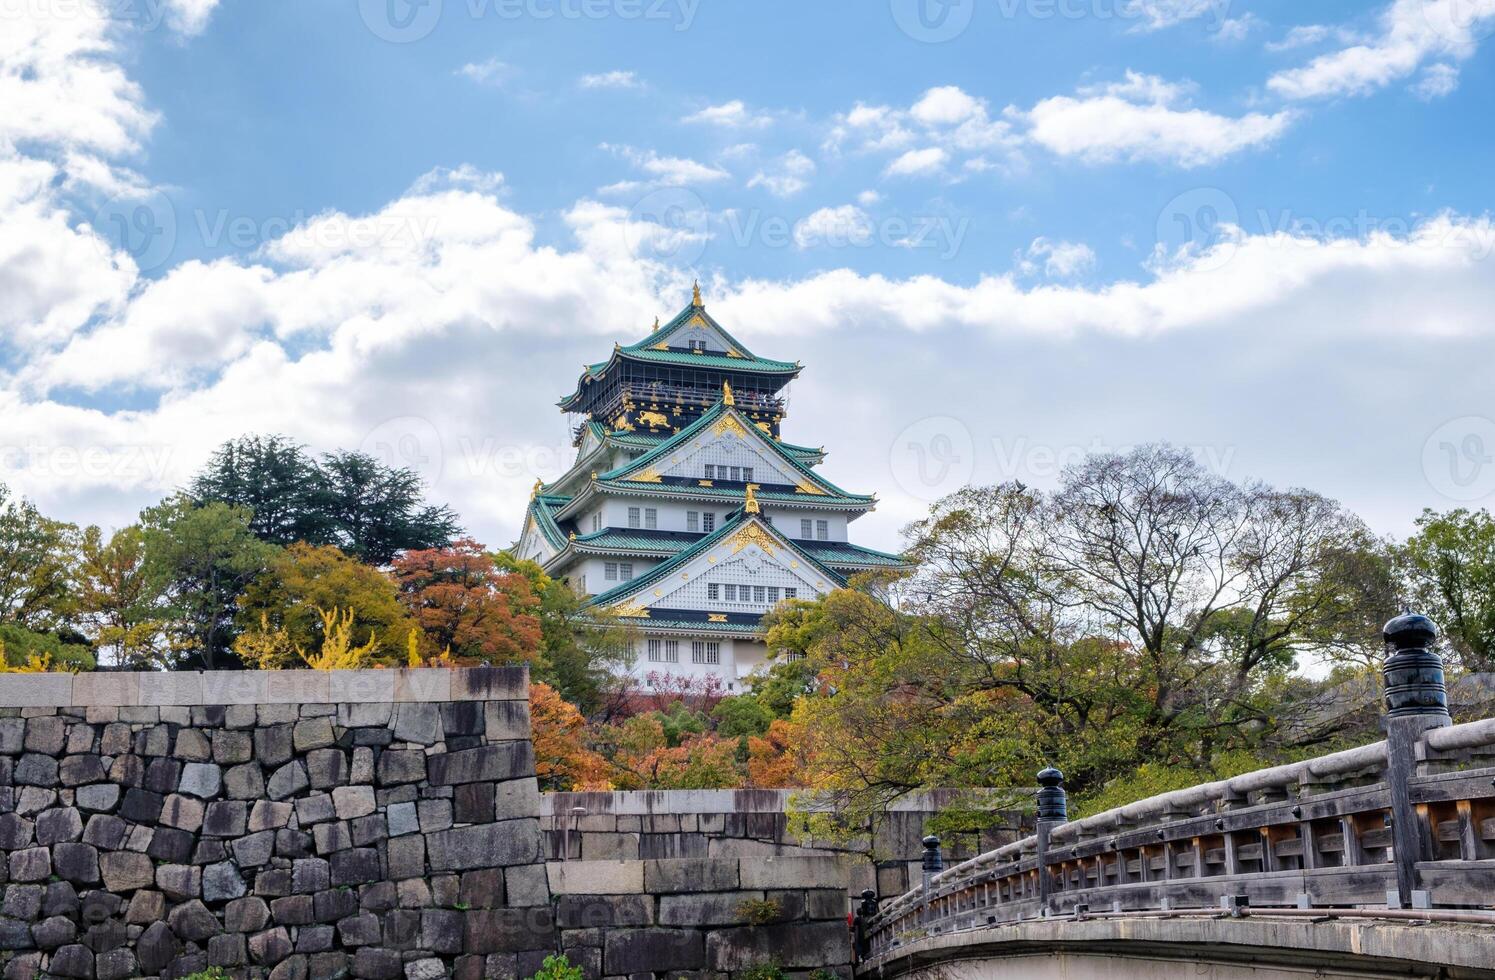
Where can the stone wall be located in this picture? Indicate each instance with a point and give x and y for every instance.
(294, 825)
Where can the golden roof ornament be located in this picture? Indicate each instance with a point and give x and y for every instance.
(750, 506)
(727, 398)
(695, 299)
(536, 491)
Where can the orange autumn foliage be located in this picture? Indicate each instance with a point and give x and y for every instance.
(467, 607)
(562, 759)
(775, 758)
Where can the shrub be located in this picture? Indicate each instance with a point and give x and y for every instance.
(759, 912)
(762, 971)
(558, 968)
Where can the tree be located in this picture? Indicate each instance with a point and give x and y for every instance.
(120, 601)
(35, 555)
(1449, 565)
(467, 606)
(739, 716)
(367, 509)
(563, 761)
(584, 653)
(375, 512)
(283, 610)
(275, 480)
(198, 559)
(21, 647)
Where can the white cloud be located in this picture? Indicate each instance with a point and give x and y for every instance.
(492, 72)
(1436, 82)
(189, 17)
(946, 106)
(834, 227)
(1412, 32)
(667, 170)
(1057, 260)
(790, 175)
(918, 163)
(611, 79)
(731, 115)
(868, 198)
(1159, 14)
(1145, 118)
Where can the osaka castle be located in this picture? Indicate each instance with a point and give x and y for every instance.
(685, 512)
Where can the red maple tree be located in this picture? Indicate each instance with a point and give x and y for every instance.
(467, 607)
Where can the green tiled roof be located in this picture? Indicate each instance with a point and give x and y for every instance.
(647, 441)
(841, 553)
(730, 629)
(630, 488)
(620, 539)
(543, 507)
(666, 568)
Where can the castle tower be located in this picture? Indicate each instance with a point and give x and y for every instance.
(684, 511)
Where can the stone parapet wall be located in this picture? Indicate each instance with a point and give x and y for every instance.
(705, 916)
(291, 825)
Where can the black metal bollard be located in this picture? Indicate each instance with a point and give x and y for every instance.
(1053, 809)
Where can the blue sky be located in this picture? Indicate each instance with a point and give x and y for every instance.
(999, 233)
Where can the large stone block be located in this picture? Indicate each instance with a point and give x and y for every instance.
(604, 911)
(418, 722)
(399, 766)
(703, 909)
(690, 875)
(485, 845)
(124, 871)
(490, 684)
(508, 930)
(653, 951)
(795, 872)
(486, 763)
(596, 877)
(792, 945)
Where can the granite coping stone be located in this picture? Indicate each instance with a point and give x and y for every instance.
(105, 689)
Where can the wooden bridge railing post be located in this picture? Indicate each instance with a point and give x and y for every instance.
(1416, 700)
(1053, 810)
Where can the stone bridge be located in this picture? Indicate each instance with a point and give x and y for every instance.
(1374, 862)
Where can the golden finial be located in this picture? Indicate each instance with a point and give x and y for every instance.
(695, 299)
(727, 398)
(656, 324)
(594, 476)
(751, 504)
(536, 491)
(572, 537)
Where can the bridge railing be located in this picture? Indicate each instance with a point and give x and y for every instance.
(1408, 822)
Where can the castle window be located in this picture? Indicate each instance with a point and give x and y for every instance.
(610, 571)
(705, 652)
(654, 651)
(804, 528)
(633, 517)
(672, 651)
(823, 530)
(713, 591)
(790, 593)
(698, 346)
(693, 521)
(625, 571)
(708, 522)
(736, 472)
(731, 592)
(597, 521)
(747, 474)
(759, 594)
(710, 472)
(773, 593)
(651, 518)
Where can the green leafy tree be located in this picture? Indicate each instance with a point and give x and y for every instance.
(36, 554)
(739, 716)
(120, 601)
(1449, 565)
(21, 645)
(374, 511)
(275, 480)
(198, 559)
